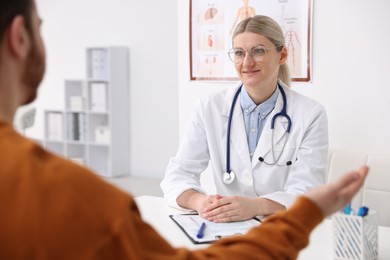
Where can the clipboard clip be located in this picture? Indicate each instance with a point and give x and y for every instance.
(218, 237)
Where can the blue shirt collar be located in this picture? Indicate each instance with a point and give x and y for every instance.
(248, 106)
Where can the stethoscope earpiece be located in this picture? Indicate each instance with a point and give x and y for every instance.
(261, 159)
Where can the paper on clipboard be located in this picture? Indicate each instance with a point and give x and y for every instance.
(190, 224)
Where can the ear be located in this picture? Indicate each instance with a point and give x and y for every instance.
(283, 56)
(19, 38)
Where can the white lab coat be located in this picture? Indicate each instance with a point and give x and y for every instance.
(205, 141)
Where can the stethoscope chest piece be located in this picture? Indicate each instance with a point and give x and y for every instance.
(228, 177)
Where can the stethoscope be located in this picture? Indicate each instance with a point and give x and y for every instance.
(229, 175)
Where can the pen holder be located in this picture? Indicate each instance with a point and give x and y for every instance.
(355, 237)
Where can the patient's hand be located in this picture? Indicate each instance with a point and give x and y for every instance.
(334, 196)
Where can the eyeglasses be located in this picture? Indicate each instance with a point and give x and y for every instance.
(237, 55)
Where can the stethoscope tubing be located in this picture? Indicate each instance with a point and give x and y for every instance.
(229, 175)
(228, 130)
(283, 112)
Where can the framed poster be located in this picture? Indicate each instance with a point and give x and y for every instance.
(212, 23)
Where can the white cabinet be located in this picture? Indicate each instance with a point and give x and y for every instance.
(93, 129)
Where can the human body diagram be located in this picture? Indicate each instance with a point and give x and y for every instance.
(243, 12)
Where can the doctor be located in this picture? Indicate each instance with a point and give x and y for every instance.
(267, 144)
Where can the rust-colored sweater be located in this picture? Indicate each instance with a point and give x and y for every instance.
(52, 208)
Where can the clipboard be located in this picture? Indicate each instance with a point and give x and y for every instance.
(190, 224)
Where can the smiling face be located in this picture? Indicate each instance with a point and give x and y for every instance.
(258, 75)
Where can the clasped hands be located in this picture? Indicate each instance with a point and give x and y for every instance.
(221, 209)
(329, 198)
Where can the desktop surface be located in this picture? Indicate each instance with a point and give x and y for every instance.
(155, 211)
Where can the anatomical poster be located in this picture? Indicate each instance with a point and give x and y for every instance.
(212, 23)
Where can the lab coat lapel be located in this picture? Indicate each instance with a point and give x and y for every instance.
(238, 140)
(264, 144)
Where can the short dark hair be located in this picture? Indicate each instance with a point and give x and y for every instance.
(11, 8)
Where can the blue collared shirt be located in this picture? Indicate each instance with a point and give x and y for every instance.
(255, 117)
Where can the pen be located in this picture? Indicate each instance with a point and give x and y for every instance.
(201, 230)
(363, 211)
(347, 209)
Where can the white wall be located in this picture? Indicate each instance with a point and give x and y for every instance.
(350, 72)
(149, 29)
(350, 64)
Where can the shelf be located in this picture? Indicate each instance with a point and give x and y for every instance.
(93, 128)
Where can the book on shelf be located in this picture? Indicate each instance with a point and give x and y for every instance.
(75, 126)
(81, 129)
(98, 96)
(54, 126)
(98, 64)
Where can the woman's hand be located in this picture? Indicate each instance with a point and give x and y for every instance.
(192, 199)
(217, 208)
(237, 208)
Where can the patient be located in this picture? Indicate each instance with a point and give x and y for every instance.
(55, 209)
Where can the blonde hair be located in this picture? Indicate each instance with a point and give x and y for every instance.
(269, 28)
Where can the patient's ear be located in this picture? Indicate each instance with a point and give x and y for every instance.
(19, 38)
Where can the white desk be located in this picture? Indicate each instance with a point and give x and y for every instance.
(155, 211)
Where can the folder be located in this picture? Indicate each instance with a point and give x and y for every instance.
(54, 126)
(190, 224)
(99, 97)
